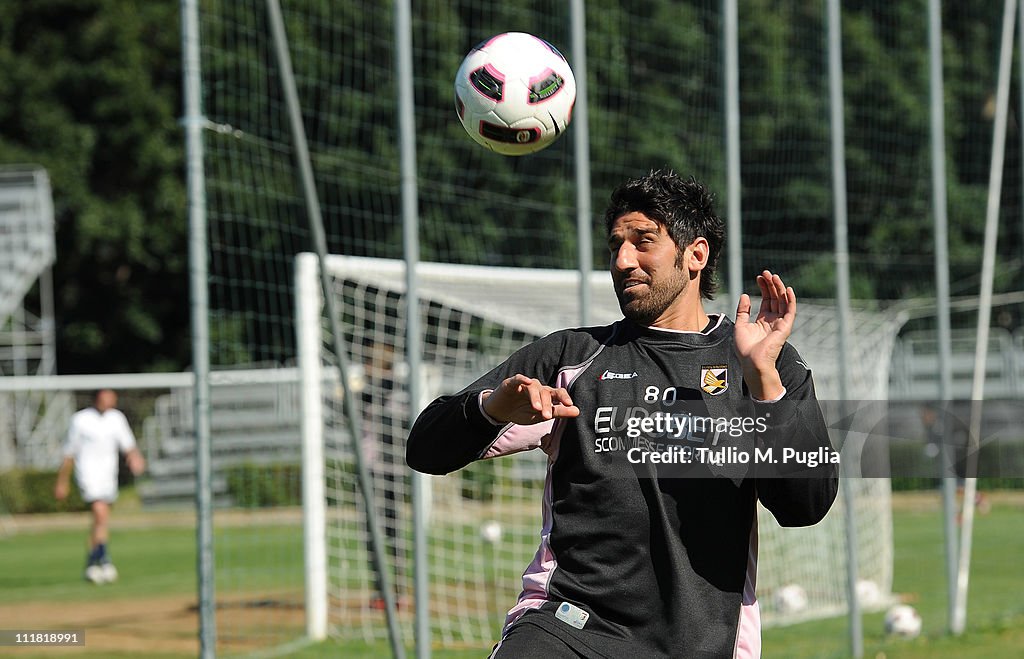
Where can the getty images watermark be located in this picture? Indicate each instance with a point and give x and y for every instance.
(875, 439)
(719, 434)
(730, 455)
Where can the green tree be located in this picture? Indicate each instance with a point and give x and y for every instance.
(90, 91)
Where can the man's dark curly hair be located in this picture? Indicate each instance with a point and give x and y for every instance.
(684, 206)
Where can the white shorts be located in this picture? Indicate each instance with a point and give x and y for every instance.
(98, 490)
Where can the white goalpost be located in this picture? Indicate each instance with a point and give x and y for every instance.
(484, 519)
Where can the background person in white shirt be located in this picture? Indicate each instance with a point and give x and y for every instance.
(96, 438)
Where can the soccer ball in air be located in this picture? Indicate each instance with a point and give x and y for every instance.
(514, 93)
(902, 620)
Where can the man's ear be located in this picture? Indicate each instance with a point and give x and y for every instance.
(697, 254)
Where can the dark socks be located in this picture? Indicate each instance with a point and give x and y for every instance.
(98, 555)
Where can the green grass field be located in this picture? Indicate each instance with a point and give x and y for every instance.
(40, 582)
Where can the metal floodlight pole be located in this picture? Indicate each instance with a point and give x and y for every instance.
(939, 211)
(199, 295)
(734, 245)
(316, 226)
(581, 131)
(1020, 51)
(988, 266)
(413, 334)
(842, 256)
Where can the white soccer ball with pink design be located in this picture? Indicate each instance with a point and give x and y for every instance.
(514, 93)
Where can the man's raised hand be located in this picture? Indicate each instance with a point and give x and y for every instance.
(759, 342)
(525, 401)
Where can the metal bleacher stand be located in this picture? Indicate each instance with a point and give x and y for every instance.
(27, 338)
(254, 418)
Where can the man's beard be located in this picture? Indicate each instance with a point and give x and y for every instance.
(645, 309)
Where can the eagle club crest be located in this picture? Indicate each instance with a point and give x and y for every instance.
(714, 379)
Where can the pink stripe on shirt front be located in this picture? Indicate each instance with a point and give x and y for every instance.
(537, 576)
(748, 632)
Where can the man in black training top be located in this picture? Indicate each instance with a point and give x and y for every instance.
(662, 431)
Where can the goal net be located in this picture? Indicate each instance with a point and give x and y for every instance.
(484, 520)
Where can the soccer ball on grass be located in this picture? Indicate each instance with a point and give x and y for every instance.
(514, 93)
(902, 620)
(791, 598)
(869, 594)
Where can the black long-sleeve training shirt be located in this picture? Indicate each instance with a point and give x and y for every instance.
(649, 526)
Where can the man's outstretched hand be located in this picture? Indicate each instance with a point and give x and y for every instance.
(759, 342)
(525, 401)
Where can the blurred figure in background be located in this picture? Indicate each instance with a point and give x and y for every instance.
(96, 438)
(385, 407)
(942, 426)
